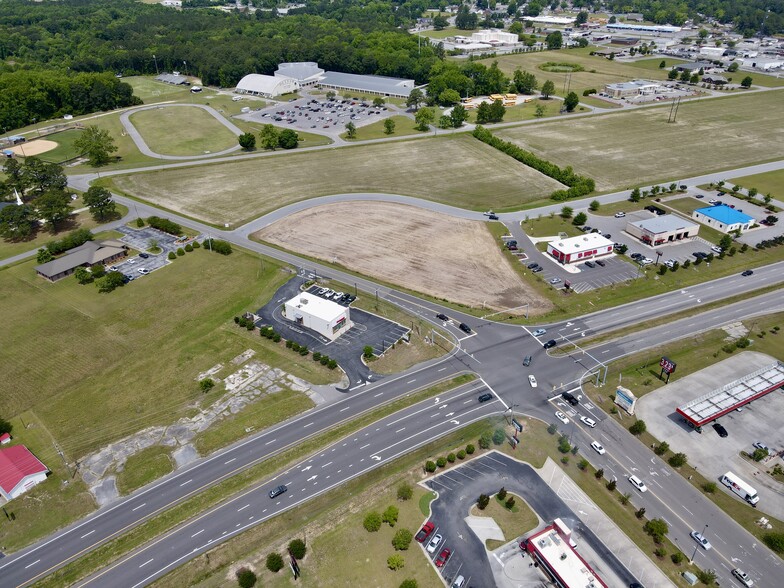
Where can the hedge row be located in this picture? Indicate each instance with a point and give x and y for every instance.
(578, 185)
(165, 225)
(71, 240)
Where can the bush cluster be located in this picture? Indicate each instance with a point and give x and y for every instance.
(269, 333)
(165, 225)
(218, 246)
(244, 323)
(71, 240)
(578, 185)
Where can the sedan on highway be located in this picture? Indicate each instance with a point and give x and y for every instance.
(561, 417)
(434, 543)
(637, 483)
(743, 577)
(698, 537)
(539, 332)
(532, 381)
(443, 557)
(747, 273)
(620, 214)
(587, 421)
(277, 491)
(598, 447)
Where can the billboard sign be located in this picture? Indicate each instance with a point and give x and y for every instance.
(667, 365)
(625, 399)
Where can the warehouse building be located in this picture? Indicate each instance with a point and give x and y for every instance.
(361, 84)
(723, 218)
(581, 248)
(266, 86)
(663, 229)
(553, 550)
(307, 73)
(634, 88)
(325, 317)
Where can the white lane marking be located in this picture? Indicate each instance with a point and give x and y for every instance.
(231, 460)
(327, 464)
(141, 505)
(403, 429)
(87, 534)
(243, 507)
(364, 446)
(411, 381)
(145, 563)
(32, 564)
(344, 409)
(377, 395)
(306, 426)
(186, 482)
(197, 533)
(268, 442)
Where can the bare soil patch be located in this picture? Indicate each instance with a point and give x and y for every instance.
(35, 147)
(428, 252)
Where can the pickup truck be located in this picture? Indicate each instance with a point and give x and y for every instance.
(424, 532)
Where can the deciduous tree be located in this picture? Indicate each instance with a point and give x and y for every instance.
(97, 144)
(17, 222)
(415, 98)
(548, 89)
(53, 207)
(99, 201)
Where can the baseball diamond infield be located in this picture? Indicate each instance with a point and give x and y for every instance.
(442, 256)
(35, 147)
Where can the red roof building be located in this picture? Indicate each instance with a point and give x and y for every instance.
(20, 470)
(5, 439)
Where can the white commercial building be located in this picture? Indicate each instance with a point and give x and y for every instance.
(325, 317)
(307, 73)
(494, 36)
(620, 90)
(266, 86)
(551, 20)
(658, 230)
(580, 248)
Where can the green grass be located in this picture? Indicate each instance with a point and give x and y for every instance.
(182, 131)
(527, 111)
(424, 503)
(258, 415)
(149, 90)
(154, 527)
(65, 149)
(763, 80)
(144, 467)
(740, 126)
(514, 523)
(39, 238)
(547, 226)
(403, 126)
(766, 183)
(153, 342)
(459, 171)
(653, 64)
(443, 34)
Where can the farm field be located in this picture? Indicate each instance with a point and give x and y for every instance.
(455, 169)
(182, 131)
(739, 129)
(462, 262)
(95, 367)
(768, 183)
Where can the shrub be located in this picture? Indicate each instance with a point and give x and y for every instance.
(404, 491)
(303, 351)
(662, 448)
(660, 552)
(206, 385)
(441, 462)
(709, 487)
(656, 528)
(678, 460)
(372, 522)
(677, 558)
(324, 359)
(395, 562)
(582, 464)
(624, 498)
(498, 436)
(165, 225)
(172, 255)
(295, 346)
(222, 247)
(98, 271)
(297, 548)
(611, 485)
(430, 466)
(140, 222)
(180, 252)
(451, 458)
(599, 473)
(276, 337)
(483, 501)
(501, 494)
(638, 427)
(274, 562)
(461, 454)
(552, 429)
(510, 502)
(289, 343)
(332, 364)
(707, 577)
(367, 352)
(774, 541)
(402, 539)
(759, 454)
(565, 459)
(563, 444)
(390, 515)
(470, 449)
(640, 513)
(195, 245)
(246, 578)
(409, 584)
(485, 440)
(188, 248)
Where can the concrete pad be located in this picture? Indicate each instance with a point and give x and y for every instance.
(185, 455)
(485, 528)
(105, 491)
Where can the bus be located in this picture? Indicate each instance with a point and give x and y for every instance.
(740, 488)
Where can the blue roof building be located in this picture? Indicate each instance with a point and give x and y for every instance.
(723, 218)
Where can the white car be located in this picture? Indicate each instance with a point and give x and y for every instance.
(743, 577)
(434, 543)
(561, 417)
(539, 332)
(236, 98)
(598, 447)
(637, 483)
(716, 248)
(712, 201)
(587, 421)
(532, 381)
(698, 537)
(670, 263)
(645, 261)
(620, 214)
(143, 271)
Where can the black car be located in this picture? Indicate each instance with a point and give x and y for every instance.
(722, 432)
(606, 235)
(636, 256)
(144, 255)
(570, 398)
(586, 229)
(549, 344)
(527, 360)
(277, 491)
(600, 262)
(747, 273)
(442, 317)
(485, 397)
(590, 264)
(532, 265)
(465, 328)
(537, 269)
(492, 216)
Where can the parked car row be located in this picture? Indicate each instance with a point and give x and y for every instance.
(340, 297)
(432, 547)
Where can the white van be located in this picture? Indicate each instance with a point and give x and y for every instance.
(236, 98)
(458, 583)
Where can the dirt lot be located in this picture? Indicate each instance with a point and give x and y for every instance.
(414, 248)
(35, 147)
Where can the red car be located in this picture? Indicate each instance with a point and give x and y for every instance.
(425, 531)
(443, 557)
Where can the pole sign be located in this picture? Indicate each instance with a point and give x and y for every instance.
(517, 425)
(667, 365)
(625, 399)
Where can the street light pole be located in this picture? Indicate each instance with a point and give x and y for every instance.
(697, 546)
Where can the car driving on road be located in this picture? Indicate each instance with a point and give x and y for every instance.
(277, 491)
(588, 421)
(698, 537)
(598, 447)
(485, 397)
(637, 483)
(539, 332)
(549, 344)
(743, 577)
(561, 417)
(465, 328)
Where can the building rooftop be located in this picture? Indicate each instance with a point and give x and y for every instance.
(378, 84)
(724, 214)
(664, 223)
(554, 548)
(301, 70)
(581, 243)
(633, 84)
(259, 83)
(91, 252)
(16, 463)
(316, 306)
(172, 79)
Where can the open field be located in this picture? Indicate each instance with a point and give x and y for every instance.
(527, 111)
(146, 88)
(597, 71)
(403, 126)
(107, 365)
(608, 148)
(65, 149)
(182, 131)
(455, 169)
(461, 263)
(768, 183)
(144, 467)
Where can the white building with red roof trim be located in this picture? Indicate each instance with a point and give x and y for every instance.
(20, 470)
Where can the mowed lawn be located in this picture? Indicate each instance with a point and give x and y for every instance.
(455, 169)
(146, 88)
(637, 147)
(182, 130)
(767, 183)
(597, 71)
(96, 367)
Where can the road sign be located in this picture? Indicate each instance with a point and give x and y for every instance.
(517, 425)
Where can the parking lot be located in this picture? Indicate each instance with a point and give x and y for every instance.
(712, 455)
(319, 115)
(347, 350)
(140, 239)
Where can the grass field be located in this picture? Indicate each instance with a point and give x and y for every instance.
(527, 111)
(182, 131)
(455, 169)
(106, 365)
(65, 149)
(146, 88)
(403, 126)
(144, 467)
(768, 183)
(82, 220)
(514, 522)
(633, 148)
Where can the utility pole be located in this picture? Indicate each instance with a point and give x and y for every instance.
(156, 64)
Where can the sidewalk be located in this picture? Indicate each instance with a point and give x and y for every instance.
(632, 557)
